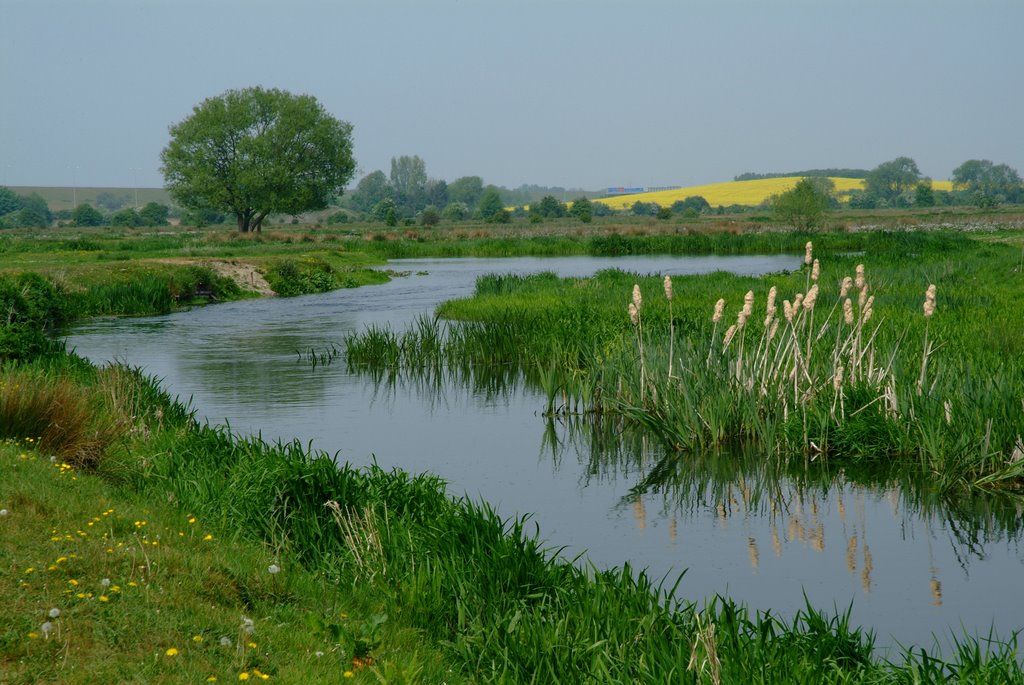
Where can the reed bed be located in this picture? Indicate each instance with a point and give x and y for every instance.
(856, 371)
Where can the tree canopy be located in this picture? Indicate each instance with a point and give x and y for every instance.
(806, 205)
(988, 184)
(257, 151)
(890, 180)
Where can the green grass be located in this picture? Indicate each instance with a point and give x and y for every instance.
(394, 580)
(960, 422)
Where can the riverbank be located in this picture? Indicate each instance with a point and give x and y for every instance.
(420, 587)
(469, 596)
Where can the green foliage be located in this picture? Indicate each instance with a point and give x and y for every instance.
(548, 208)
(455, 211)
(890, 181)
(490, 203)
(988, 184)
(154, 214)
(430, 216)
(34, 212)
(924, 196)
(255, 151)
(127, 218)
(582, 209)
(10, 201)
(663, 213)
(640, 208)
(409, 181)
(87, 215)
(695, 202)
(371, 190)
(804, 207)
(30, 306)
(467, 190)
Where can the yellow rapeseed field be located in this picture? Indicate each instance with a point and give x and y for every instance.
(737, 192)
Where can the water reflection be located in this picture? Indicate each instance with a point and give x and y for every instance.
(913, 563)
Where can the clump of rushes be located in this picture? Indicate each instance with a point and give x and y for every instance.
(634, 318)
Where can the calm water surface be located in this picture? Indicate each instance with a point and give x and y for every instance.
(911, 567)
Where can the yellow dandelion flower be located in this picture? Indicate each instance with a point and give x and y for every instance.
(80, 595)
(348, 674)
(191, 519)
(197, 638)
(244, 675)
(33, 635)
(212, 679)
(171, 651)
(207, 537)
(61, 560)
(72, 582)
(104, 598)
(30, 569)
(132, 583)
(252, 645)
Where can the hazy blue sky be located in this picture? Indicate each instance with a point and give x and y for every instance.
(579, 93)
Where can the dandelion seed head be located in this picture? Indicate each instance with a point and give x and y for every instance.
(105, 582)
(53, 613)
(46, 628)
(224, 641)
(3, 512)
(273, 569)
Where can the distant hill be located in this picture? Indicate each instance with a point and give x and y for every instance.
(60, 197)
(749, 193)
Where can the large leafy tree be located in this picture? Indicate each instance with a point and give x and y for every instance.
(988, 184)
(257, 151)
(890, 180)
(806, 205)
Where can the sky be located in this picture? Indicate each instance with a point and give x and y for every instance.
(575, 93)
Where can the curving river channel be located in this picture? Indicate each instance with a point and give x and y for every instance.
(914, 568)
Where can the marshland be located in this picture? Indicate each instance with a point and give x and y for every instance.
(560, 448)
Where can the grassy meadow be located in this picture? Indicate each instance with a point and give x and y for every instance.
(234, 559)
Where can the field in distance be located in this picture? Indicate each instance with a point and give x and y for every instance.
(66, 197)
(750, 193)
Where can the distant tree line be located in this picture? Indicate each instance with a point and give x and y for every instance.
(32, 211)
(408, 195)
(810, 173)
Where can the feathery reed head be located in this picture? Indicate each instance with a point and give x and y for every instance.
(868, 310)
(808, 253)
(848, 312)
(815, 270)
(719, 310)
(729, 335)
(634, 314)
(812, 296)
(929, 301)
(788, 310)
(668, 287)
(837, 379)
(770, 309)
(859, 280)
(844, 288)
(637, 299)
(748, 303)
